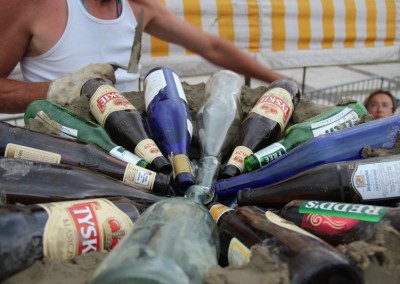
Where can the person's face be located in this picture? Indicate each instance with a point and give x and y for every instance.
(380, 105)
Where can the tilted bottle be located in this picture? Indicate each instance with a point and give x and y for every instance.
(173, 241)
(340, 223)
(264, 123)
(170, 122)
(61, 230)
(371, 181)
(27, 182)
(68, 124)
(19, 142)
(123, 122)
(343, 145)
(218, 121)
(310, 260)
(339, 117)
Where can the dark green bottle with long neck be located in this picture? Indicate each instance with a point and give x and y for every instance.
(339, 117)
(68, 124)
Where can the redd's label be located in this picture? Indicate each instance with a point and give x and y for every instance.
(147, 150)
(327, 224)
(105, 101)
(238, 156)
(137, 176)
(276, 104)
(27, 153)
(80, 227)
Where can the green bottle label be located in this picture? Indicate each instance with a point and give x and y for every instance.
(270, 153)
(362, 212)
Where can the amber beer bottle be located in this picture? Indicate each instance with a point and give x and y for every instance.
(28, 233)
(27, 182)
(340, 223)
(123, 122)
(19, 142)
(264, 124)
(310, 259)
(371, 181)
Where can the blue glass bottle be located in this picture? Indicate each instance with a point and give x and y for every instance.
(343, 145)
(169, 122)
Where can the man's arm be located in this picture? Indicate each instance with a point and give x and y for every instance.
(162, 23)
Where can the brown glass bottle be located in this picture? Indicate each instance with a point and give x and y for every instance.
(123, 122)
(28, 182)
(310, 260)
(77, 153)
(370, 181)
(264, 124)
(340, 223)
(26, 231)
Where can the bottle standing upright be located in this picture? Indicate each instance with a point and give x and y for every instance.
(371, 181)
(217, 122)
(27, 233)
(339, 117)
(19, 142)
(310, 260)
(173, 241)
(67, 124)
(170, 122)
(123, 122)
(340, 223)
(264, 124)
(343, 145)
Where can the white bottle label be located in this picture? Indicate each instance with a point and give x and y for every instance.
(238, 253)
(27, 153)
(140, 177)
(63, 131)
(270, 153)
(377, 181)
(124, 155)
(147, 150)
(344, 119)
(238, 156)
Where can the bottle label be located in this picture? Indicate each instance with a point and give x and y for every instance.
(62, 130)
(276, 104)
(181, 164)
(140, 177)
(238, 253)
(124, 155)
(346, 118)
(335, 217)
(270, 153)
(80, 227)
(275, 219)
(377, 180)
(238, 156)
(147, 150)
(27, 153)
(105, 101)
(218, 210)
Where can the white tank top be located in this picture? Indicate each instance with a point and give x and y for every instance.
(87, 40)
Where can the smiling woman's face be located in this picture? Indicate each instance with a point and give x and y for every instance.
(380, 105)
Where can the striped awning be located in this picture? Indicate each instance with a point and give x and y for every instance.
(287, 33)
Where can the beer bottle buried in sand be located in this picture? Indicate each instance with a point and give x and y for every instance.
(170, 123)
(309, 259)
(339, 117)
(19, 142)
(123, 122)
(264, 124)
(28, 182)
(61, 230)
(340, 223)
(370, 181)
(62, 122)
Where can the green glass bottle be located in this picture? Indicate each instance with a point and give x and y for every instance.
(339, 117)
(68, 124)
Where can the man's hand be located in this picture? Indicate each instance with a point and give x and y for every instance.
(64, 90)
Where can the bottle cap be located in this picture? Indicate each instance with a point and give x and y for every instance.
(182, 182)
(161, 165)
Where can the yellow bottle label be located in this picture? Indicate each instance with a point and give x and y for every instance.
(181, 164)
(276, 104)
(217, 210)
(238, 253)
(27, 153)
(105, 101)
(238, 156)
(147, 150)
(79, 227)
(138, 176)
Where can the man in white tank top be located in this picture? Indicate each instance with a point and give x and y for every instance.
(53, 38)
